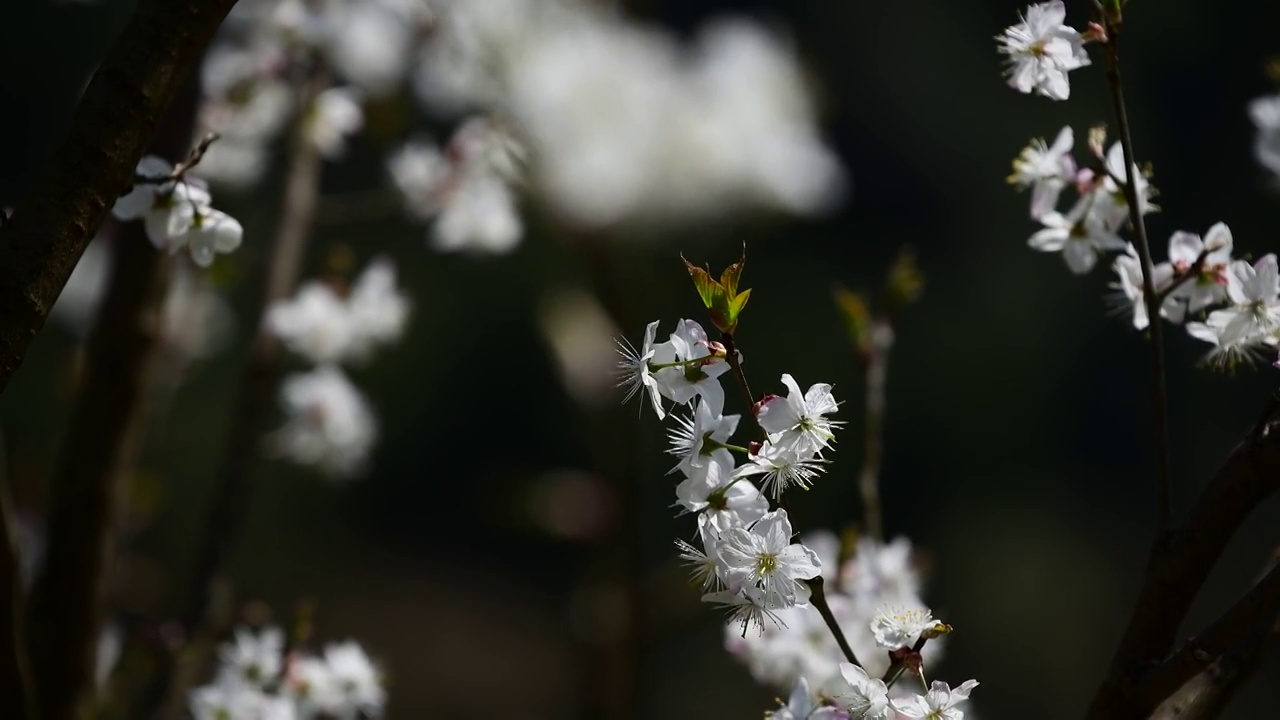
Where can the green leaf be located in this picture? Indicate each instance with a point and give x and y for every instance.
(857, 316)
(729, 278)
(721, 298)
(702, 282)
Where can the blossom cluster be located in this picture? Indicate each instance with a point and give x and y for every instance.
(269, 49)
(258, 678)
(176, 212)
(747, 561)
(1232, 304)
(330, 425)
(744, 555)
(620, 122)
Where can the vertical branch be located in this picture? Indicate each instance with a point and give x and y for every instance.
(818, 596)
(876, 373)
(1159, 402)
(259, 377)
(97, 453)
(18, 699)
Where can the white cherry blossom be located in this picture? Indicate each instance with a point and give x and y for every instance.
(897, 627)
(937, 704)
(800, 419)
(1080, 236)
(329, 424)
(253, 658)
(862, 696)
(763, 556)
(1046, 169)
(1042, 50)
(1265, 113)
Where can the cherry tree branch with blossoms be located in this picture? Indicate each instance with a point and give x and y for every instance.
(744, 558)
(1200, 276)
(111, 126)
(101, 441)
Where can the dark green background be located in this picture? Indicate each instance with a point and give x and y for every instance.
(1017, 440)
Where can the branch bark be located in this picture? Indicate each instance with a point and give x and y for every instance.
(18, 699)
(1211, 647)
(1208, 693)
(113, 122)
(98, 451)
(1177, 569)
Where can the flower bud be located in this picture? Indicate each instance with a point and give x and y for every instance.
(755, 409)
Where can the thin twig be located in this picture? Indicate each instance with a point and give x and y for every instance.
(193, 158)
(1159, 402)
(1194, 271)
(113, 122)
(876, 373)
(735, 364)
(818, 597)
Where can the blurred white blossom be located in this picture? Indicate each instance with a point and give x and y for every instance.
(329, 425)
(1265, 113)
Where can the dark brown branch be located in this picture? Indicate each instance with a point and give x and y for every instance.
(1159, 400)
(1208, 693)
(97, 452)
(1177, 569)
(18, 699)
(1257, 608)
(113, 122)
(818, 597)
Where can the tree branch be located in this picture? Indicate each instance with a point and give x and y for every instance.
(1256, 609)
(1176, 571)
(98, 449)
(1208, 693)
(18, 699)
(113, 122)
(1159, 400)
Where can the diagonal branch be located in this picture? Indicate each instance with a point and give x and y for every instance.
(1177, 569)
(112, 124)
(1256, 609)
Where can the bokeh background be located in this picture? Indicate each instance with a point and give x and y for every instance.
(509, 552)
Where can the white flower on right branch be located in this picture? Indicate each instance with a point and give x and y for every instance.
(1042, 50)
(1209, 286)
(1046, 169)
(1080, 236)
